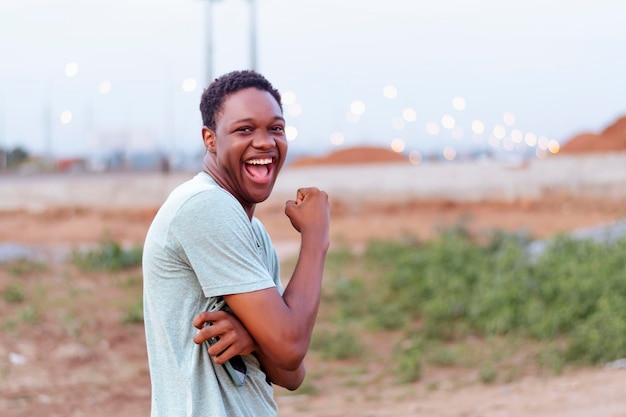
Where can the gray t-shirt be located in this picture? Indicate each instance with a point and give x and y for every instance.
(202, 245)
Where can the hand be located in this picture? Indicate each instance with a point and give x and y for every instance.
(310, 213)
(234, 339)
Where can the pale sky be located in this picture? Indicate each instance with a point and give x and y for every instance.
(551, 69)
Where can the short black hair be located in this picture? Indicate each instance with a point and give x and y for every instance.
(214, 95)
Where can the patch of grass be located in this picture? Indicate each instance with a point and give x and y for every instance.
(108, 257)
(488, 372)
(22, 267)
(340, 343)
(14, 294)
(134, 313)
(28, 315)
(409, 359)
(443, 292)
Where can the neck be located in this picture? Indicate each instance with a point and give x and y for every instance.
(248, 208)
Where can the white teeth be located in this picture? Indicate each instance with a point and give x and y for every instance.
(264, 161)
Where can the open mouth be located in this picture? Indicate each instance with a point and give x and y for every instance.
(259, 169)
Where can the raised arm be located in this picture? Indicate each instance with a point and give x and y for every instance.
(282, 326)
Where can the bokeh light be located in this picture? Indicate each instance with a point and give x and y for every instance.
(104, 87)
(357, 107)
(71, 69)
(508, 118)
(432, 128)
(415, 157)
(390, 91)
(516, 135)
(449, 153)
(553, 146)
(542, 142)
(337, 138)
(530, 138)
(478, 127)
(288, 97)
(541, 153)
(189, 84)
(458, 103)
(499, 131)
(291, 133)
(447, 121)
(397, 145)
(409, 114)
(66, 117)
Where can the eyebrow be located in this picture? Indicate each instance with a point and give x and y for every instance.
(249, 120)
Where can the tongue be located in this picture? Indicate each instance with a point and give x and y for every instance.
(257, 171)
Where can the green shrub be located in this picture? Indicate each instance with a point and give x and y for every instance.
(457, 286)
(14, 294)
(109, 257)
(341, 343)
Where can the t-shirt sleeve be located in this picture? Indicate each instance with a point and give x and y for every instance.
(216, 237)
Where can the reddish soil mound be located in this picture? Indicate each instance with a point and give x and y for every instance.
(356, 155)
(613, 138)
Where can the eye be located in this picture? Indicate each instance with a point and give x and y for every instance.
(278, 128)
(245, 129)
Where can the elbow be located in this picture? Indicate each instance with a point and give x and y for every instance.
(294, 385)
(291, 359)
(291, 352)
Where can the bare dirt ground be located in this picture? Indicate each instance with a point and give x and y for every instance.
(76, 358)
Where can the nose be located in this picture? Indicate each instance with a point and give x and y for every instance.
(264, 140)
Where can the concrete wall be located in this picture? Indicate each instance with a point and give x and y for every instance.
(600, 175)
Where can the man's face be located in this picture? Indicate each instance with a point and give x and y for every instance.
(249, 145)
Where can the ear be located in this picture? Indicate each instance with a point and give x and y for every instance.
(208, 137)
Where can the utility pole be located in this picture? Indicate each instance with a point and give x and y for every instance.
(253, 31)
(208, 33)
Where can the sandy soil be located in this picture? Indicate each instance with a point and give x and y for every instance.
(81, 361)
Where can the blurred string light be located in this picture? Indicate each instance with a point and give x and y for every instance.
(497, 138)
